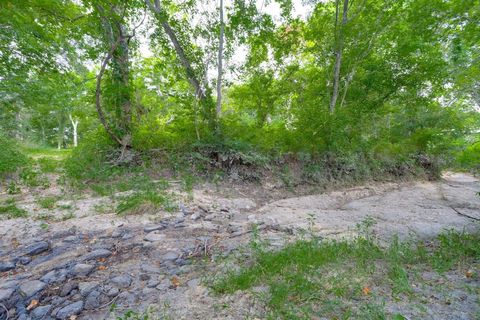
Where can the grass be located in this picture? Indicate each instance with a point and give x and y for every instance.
(145, 201)
(10, 210)
(344, 279)
(47, 202)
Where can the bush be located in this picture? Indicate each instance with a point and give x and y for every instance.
(11, 158)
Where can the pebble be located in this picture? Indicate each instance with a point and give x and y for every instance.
(70, 239)
(70, 310)
(25, 260)
(97, 254)
(5, 294)
(113, 292)
(41, 312)
(82, 269)
(155, 227)
(196, 216)
(153, 283)
(210, 217)
(55, 276)
(170, 255)
(150, 268)
(68, 287)
(37, 248)
(87, 287)
(6, 266)
(30, 288)
(93, 300)
(144, 277)
(193, 283)
(123, 281)
(154, 237)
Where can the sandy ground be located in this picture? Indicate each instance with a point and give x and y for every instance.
(212, 222)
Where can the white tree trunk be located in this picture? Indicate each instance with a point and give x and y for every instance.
(220, 62)
(74, 126)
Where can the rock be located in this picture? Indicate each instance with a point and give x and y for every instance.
(152, 283)
(87, 287)
(113, 292)
(154, 237)
(68, 287)
(196, 216)
(56, 301)
(82, 269)
(164, 285)
(5, 294)
(70, 310)
(55, 276)
(203, 208)
(123, 281)
(30, 288)
(155, 227)
(148, 291)
(117, 233)
(70, 239)
(40, 312)
(170, 256)
(210, 217)
(93, 300)
(193, 283)
(6, 266)
(150, 268)
(126, 298)
(180, 225)
(97, 254)
(144, 277)
(25, 260)
(37, 248)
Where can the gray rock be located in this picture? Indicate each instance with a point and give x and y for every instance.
(150, 268)
(37, 248)
(54, 276)
(87, 287)
(5, 294)
(154, 227)
(82, 269)
(117, 233)
(25, 260)
(97, 254)
(152, 283)
(144, 277)
(170, 256)
(67, 288)
(30, 288)
(193, 283)
(56, 301)
(6, 266)
(93, 300)
(70, 310)
(126, 298)
(154, 237)
(70, 239)
(122, 281)
(196, 216)
(210, 217)
(148, 291)
(113, 292)
(41, 312)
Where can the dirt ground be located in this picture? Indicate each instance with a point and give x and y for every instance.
(147, 259)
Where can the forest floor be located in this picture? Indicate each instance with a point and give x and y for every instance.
(72, 257)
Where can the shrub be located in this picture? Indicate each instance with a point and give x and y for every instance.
(11, 158)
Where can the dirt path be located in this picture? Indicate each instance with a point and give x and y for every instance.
(82, 265)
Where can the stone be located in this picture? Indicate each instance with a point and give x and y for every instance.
(117, 233)
(54, 276)
(67, 288)
(30, 288)
(193, 283)
(123, 281)
(97, 254)
(144, 277)
(82, 269)
(113, 292)
(24, 260)
(196, 216)
(70, 239)
(93, 300)
(6, 266)
(203, 208)
(170, 256)
(148, 291)
(87, 287)
(40, 312)
(70, 310)
(56, 301)
(126, 298)
(152, 283)
(150, 268)
(5, 294)
(210, 217)
(154, 227)
(37, 248)
(154, 237)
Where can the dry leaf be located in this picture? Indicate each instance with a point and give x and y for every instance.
(469, 274)
(74, 317)
(102, 268)
(366, 290)
(33, 304)
(101, 259)
(175, 281)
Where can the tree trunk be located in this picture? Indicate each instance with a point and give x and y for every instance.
(74, 126)
(61, 130)
(220, 62)
(338, 52)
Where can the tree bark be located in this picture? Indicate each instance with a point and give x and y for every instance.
(74, 126)
(338, 52)
(220, 62)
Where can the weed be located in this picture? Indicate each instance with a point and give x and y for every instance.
(144, 201)
(47, 202)
(13, 188)
(68, 216)
(10, 210)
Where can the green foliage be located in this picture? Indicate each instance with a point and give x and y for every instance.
(11, 211)
(11, 158)
(322, 278)
(47, 202)
(144, 201)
